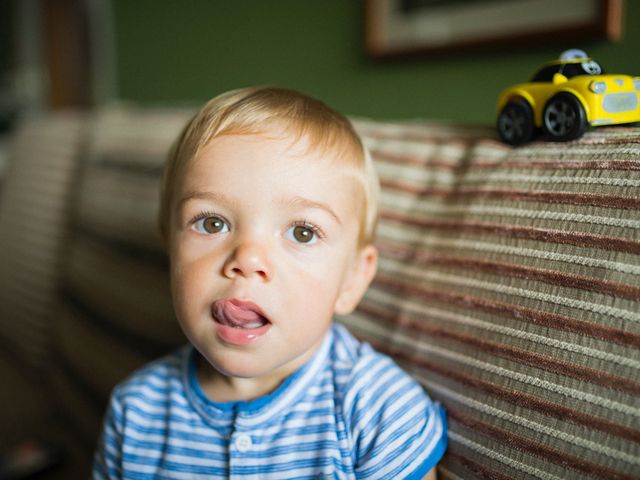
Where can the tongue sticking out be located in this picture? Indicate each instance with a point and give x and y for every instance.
(238, 314)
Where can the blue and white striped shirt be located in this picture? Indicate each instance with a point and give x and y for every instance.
(349, 412)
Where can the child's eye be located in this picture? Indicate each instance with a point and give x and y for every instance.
(307, 234)
(211, 225)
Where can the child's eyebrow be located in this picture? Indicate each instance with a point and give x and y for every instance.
(295, 202)
(303, 202)
(200, 195)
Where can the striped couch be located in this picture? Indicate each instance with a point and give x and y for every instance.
(509, 282)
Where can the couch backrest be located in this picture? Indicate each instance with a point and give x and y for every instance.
(115, 311)
(35, 201)
(509, 286)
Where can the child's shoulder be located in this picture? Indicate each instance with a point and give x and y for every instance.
(352, 352)
(380, 401)
(160, 375)
(365, 370)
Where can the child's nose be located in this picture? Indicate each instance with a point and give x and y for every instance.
(247, 260)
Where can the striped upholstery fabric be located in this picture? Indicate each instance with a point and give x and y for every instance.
(34, 208)
(509, 285)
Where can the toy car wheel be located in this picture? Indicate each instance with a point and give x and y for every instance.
(564, 118)
(515, 122)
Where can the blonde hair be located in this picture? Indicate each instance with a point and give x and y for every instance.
(249, 111)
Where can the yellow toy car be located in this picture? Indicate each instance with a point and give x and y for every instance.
(564, 97)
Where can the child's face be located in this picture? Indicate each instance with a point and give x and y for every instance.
(264, 252)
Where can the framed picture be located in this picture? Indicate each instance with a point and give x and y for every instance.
(407, 27)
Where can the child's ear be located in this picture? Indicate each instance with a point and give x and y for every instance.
(358, 279)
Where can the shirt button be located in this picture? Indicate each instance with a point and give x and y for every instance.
(243, 443)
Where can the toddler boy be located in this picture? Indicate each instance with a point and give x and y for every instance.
(268, 211)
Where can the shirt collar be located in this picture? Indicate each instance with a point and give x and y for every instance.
(264, 409)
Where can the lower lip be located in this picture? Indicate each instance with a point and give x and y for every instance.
(241, 336)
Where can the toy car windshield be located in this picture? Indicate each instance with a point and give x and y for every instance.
(569, 70)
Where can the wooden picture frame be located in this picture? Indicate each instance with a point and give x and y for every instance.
(416, 27)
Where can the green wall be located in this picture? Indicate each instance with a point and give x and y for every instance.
(171, 51)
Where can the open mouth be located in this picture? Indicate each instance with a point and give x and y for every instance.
(239, 314)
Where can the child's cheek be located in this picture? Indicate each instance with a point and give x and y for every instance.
(192, 267)
(190, 246)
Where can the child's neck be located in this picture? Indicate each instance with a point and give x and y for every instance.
(221, 388)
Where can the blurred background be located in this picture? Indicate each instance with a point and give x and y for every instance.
(60, 53)
(85, 54)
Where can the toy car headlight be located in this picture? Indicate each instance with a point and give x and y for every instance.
(599, 87)
(636, 83)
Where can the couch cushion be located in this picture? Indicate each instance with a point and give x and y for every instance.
(35, 204)
(115, 310)
(509, 285)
